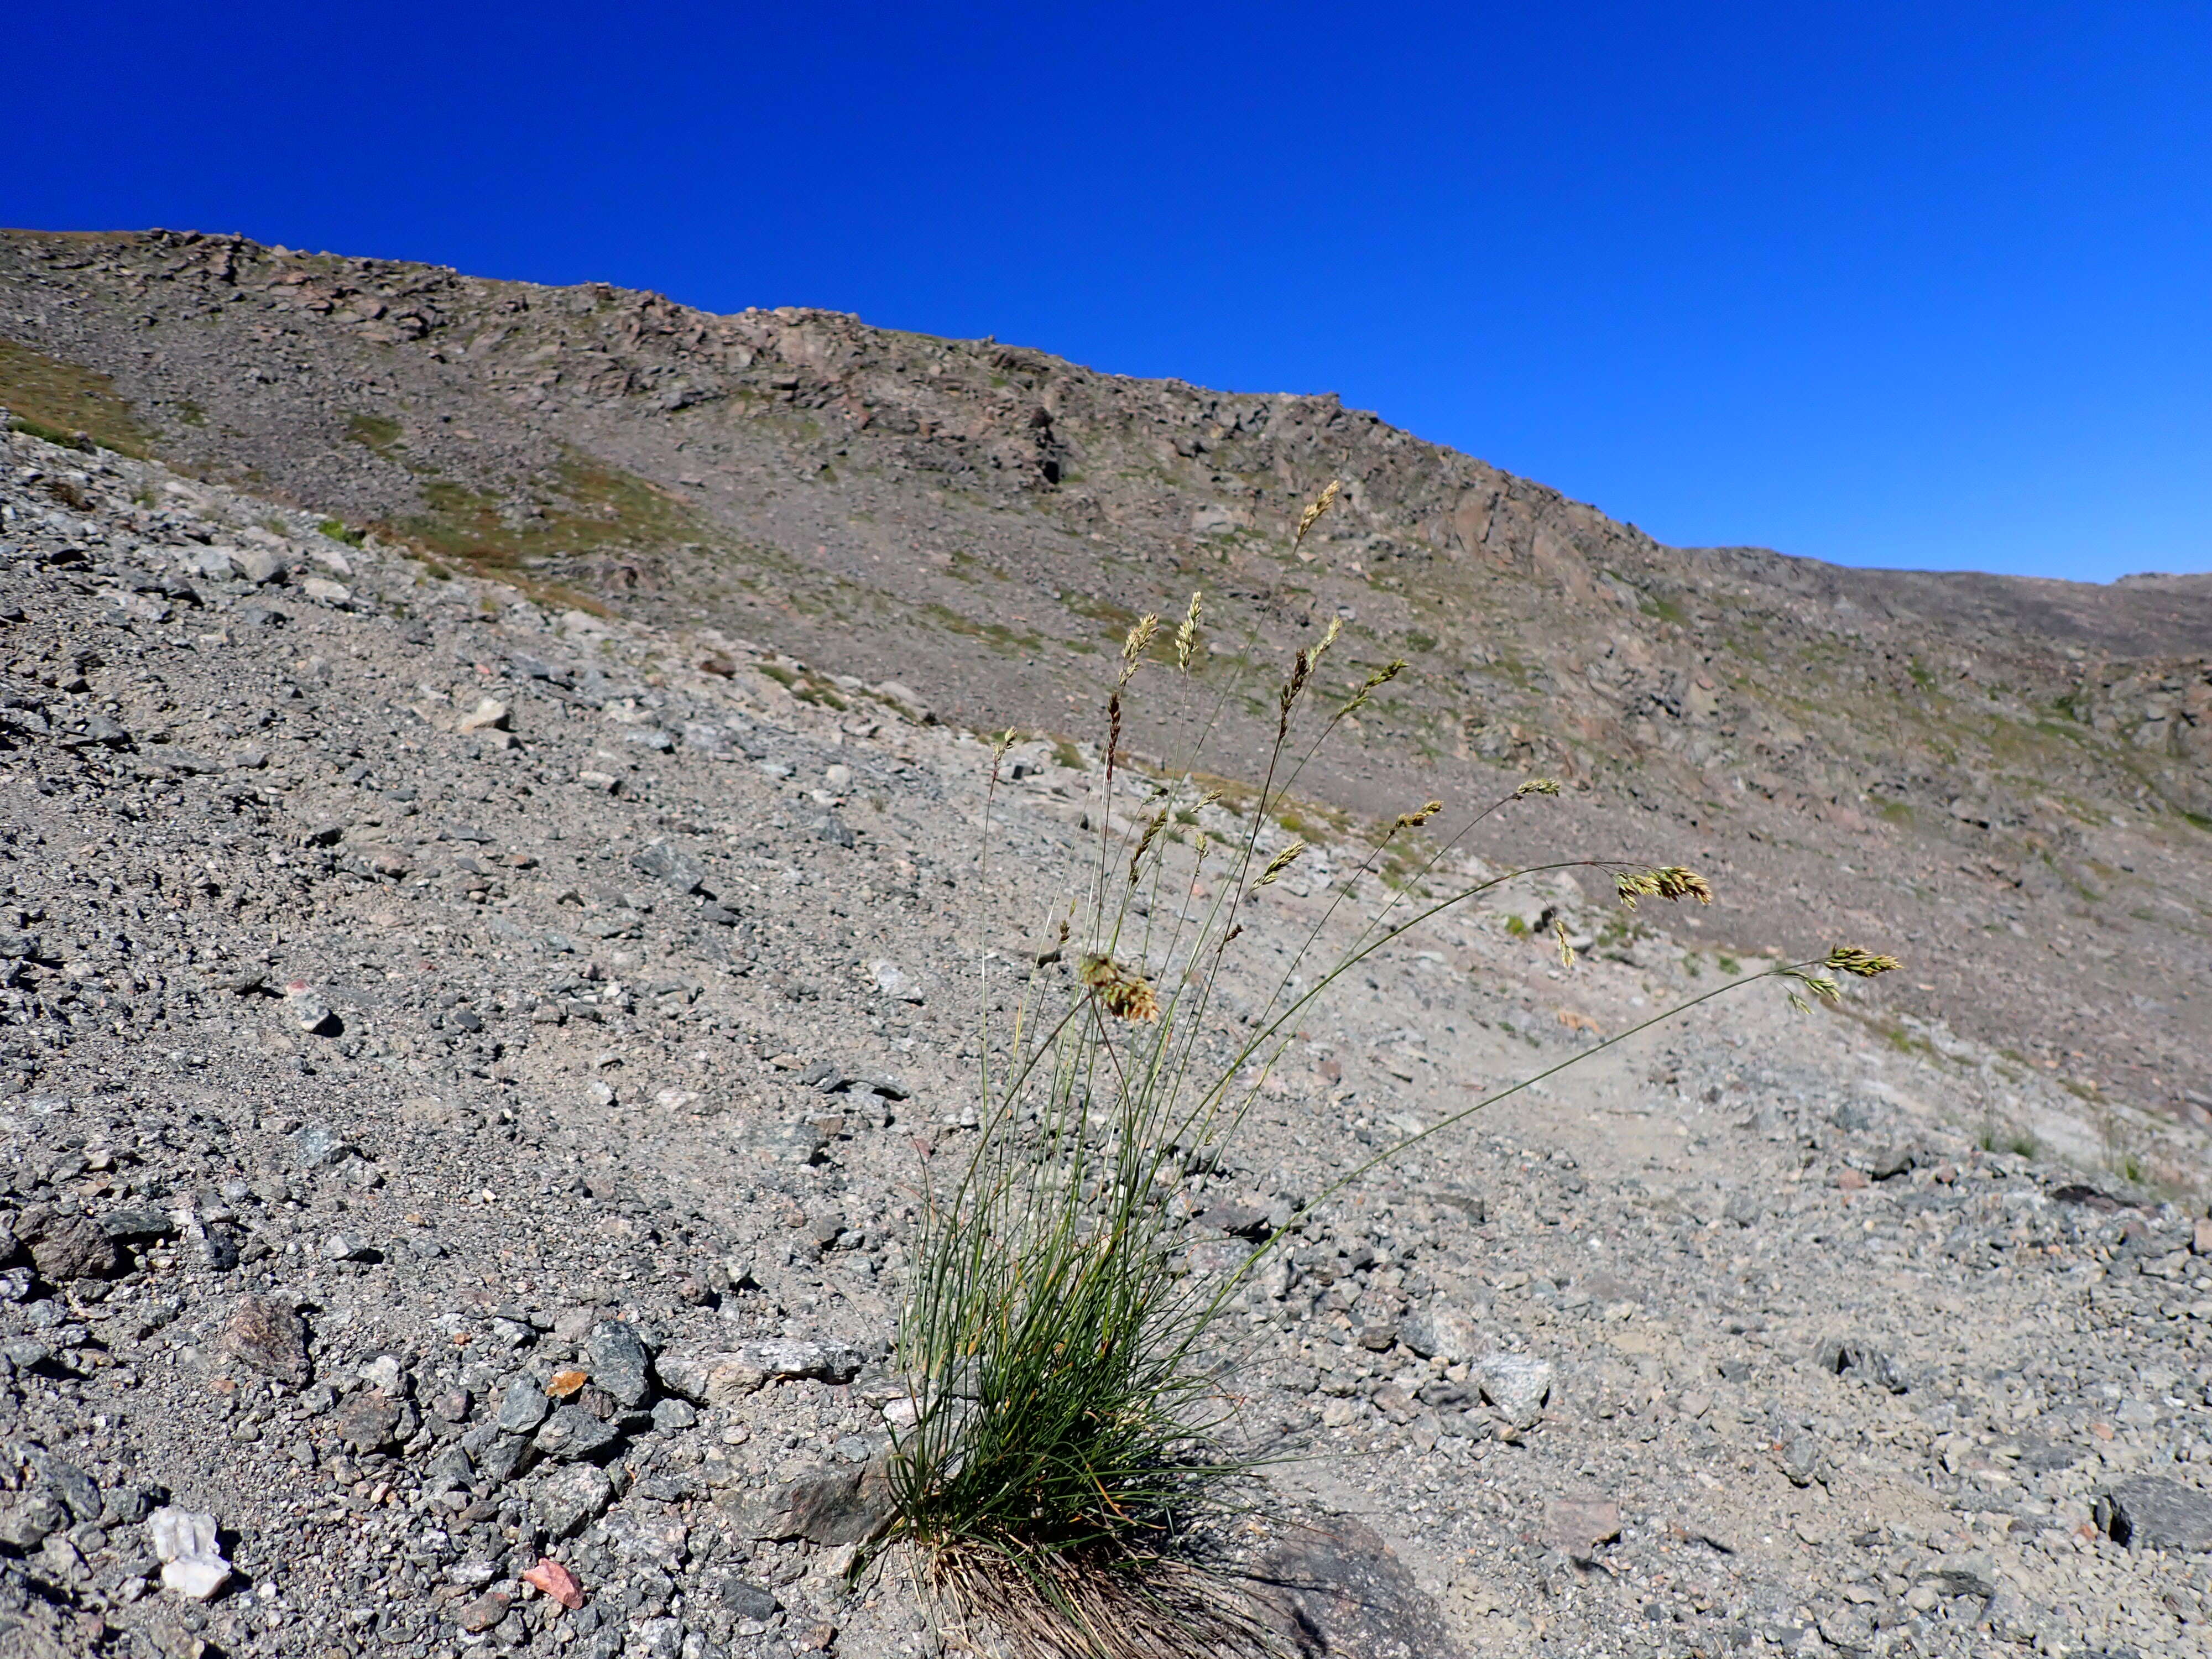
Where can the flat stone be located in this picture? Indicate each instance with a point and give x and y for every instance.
(570, 1500)
(367, 1420)
(2152, 1512)
(266, 1335)
(1440, 1332)
(1336, 1589)
(826, 1506)
(1516, 1385)
(1578, 1526)
(572, 1433)
(716, 1379)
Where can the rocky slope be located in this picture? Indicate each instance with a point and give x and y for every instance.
(470, 1070)
(2006, 780)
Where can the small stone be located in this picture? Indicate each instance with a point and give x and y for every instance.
(1516, 1385)
(556, 1580)
(1851, 1181)
(2201, 1236)
(746, 1600)
(572, 1433)
(490, 714)
(74, 1247)
(563, 1384)
(318, 1147)
(1578, 1526)
(571, 1498)
(386, 1374)
(1799, 1458)
(349, 1246)
(268, 1336)
(671, 1415)
(835, 830)
(523, 1407)
(1887, 1166)
(367, 1421)
(717, 1379)
(309, 1011)
(484, 1612)
(1966, 1573)
(324, 591)
(619, 1362)
(1439, 1333)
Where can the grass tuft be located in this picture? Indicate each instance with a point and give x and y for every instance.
(1068, 1441)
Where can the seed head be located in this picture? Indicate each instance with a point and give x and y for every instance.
(1672, 883)
(1537, 787)
(1143, 842)
(1281, 862)
(1863, 964)
(1566, 950)
(1141, 635)
(1380, 677)
(1319, 505)
(1187, 636)
(1416, 818)
(1121, 993)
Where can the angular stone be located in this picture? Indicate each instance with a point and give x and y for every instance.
(74, 1247)
(826, 1506)
(1439, 1333)
(523, 1407)
(33, 1517)
(266, 1335)
(367, 1421)
(570, 1500)
(572, 1433)
(2151, 1512)
(1578, 1526)
(1517, 1384)
(664, 864)
(619, 1362)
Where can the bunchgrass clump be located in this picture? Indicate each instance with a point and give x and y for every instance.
(1067, 1440)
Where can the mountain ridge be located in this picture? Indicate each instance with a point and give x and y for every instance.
(1994, 764)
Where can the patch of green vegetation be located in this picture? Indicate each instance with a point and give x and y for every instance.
(1418, 640)
(1518, 929)
(1066, 753)
(1921, 676)
(1728, 964)
(339, 532)
(56, 400)
(376, 432)
(995, 635)
(2196, 819)
(2132, 1168)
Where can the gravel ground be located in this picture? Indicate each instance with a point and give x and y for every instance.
(469, 1070)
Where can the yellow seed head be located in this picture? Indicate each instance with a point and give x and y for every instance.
(1414, 820)
(1319, 505)
(1121, 993)
(1566, 950)
(1187, 636)
(1537, 787)
(1281, 862)
(1864, 964)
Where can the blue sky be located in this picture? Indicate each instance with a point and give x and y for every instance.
(1924, 286)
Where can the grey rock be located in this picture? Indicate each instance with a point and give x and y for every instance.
(503, 1459)
(571, 1498)
(618, 1363)
(1517, 1385)
(573, 1433)
(1440, 1332)
(671, 1415)
(318, 1147)
(1860, 1361)
(656, 1638)
(1334, 1588)
(745, 1600)
(267, 1335)
(1969, 1572)
(130, 1226)
(2153, 1512)
(664, 864)
(31, 1518)
(835, 830)
(1800, 1459)
(717, 1378)
(523, 1407)
(827, 1505)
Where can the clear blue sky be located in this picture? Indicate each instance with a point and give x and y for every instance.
(1923, 285)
